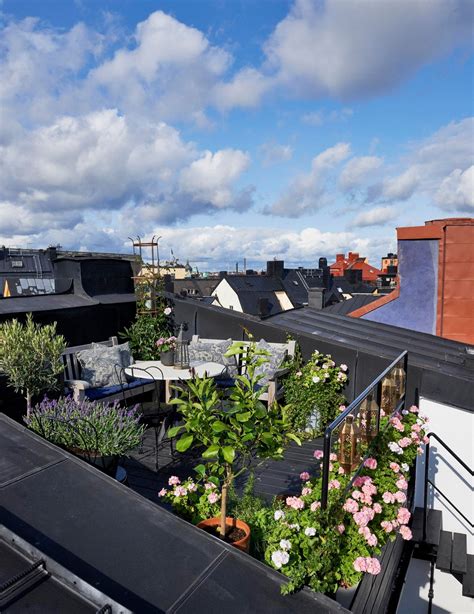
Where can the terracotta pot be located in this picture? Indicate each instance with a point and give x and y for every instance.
(167, 358)
(242, 544)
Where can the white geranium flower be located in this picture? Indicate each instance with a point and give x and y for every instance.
(280, 558)
(405, 466)
(279, 514)
(285, 544)
(316, 379)
(167, 311)
(310, 531)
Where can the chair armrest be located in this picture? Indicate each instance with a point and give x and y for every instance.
(78, 387)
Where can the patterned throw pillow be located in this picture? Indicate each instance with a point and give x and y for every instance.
(98, 365)
(268, 369)
(214, 352)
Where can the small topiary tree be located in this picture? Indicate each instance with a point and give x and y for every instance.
(30, 356)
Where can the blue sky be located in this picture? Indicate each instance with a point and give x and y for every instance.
(235, 128)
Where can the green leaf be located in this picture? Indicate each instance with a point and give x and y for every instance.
(294, 438)
(184, 443)
(200, 470)
(218, 426)
(228, 454)
(243, 417)
(174, 430)
(211, 452)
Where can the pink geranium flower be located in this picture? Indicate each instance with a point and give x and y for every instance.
(404, 442)
(306, 491)
(341, 528)
(377, 508)
(334, 484)
(405, 532)
(395, 467)
(350, 506)
(318, 454)
(388, 497)
(162, 492)
(333, 457)
(387, 526)
(295, 502)
(402, 484)
(174, 480)
(360, 564)
(400, 496)
(315, 505)
(371, 463)
(373, 566)
(403, 515)
(304, 476)
(213, 497)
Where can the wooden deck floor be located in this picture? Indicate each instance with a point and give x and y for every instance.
(271, 477)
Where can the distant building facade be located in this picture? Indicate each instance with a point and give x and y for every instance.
(354, 262)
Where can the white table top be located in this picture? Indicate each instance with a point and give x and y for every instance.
(155, 370)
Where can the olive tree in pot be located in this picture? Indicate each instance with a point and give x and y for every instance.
(233, 429)
(30, 357)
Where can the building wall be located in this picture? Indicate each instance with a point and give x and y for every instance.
(456, 288)
(415, 308)
(456, 427)
(227, 296)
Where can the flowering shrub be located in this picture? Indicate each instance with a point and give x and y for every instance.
(325, 549)
(317, 385)
(166, 344)
(87, 425)
(192, 500)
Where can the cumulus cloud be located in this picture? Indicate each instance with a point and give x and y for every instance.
(357, 171)
(456, 191)
(104, 161)
(308, 192)
(273, 153)
(375, 217)
(359, 49)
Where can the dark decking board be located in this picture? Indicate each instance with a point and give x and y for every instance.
(468, 580)
(459, 561)
(443, 560)
(271, 477)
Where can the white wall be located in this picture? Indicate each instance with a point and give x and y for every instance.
(456, 427)
(227, 296)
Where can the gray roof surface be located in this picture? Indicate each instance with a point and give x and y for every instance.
(348, 306)
(139, 554)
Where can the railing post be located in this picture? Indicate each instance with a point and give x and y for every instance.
(425, 495)
(326, 459)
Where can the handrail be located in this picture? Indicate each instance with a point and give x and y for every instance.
(355, 403)
(428, 481)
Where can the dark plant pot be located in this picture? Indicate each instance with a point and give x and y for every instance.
(167, 358)
(242, 544)
(107, 464)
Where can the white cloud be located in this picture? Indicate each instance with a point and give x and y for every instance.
(246, 89)
(359, 49)
(456, 191)
(210, 178)
(104, 161)
(273, 153)
(318, 118)
(309, 192)
(357, 171)
(375, 217)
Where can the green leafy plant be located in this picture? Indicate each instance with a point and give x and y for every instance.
(144, 332)
(94, 426)
(314, 387)
(231, 429)
(193, 500)
(30, 356)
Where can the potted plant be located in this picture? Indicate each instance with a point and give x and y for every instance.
(30, 357)
(145, 330)
(233, 430)
(313, 392)
(94, 430)
(166, 347)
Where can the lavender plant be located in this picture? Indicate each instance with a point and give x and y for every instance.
(106, 429)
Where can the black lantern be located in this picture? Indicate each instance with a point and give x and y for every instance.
(181, 353)
(349, 457)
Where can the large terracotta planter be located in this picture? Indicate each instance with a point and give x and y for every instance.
(242, 544)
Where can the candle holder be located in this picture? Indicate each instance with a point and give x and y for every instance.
(349, 456)
(181, 353)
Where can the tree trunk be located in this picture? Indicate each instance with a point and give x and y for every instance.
(28, 403)
(225, 489)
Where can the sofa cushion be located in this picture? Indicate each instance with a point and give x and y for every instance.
(213, 351)
(275, 359)
(98, 365)
(95, 394)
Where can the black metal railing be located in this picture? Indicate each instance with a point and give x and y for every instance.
(428, 481)
(382, 398)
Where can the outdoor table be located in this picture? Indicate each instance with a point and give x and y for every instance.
(156, 370)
